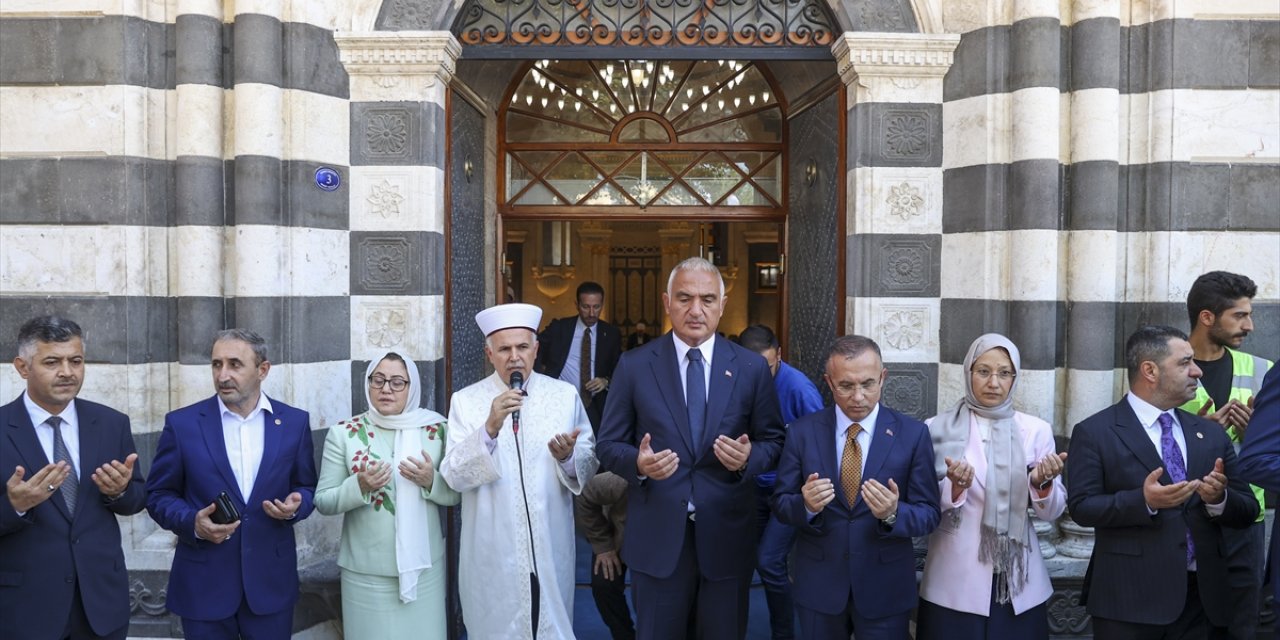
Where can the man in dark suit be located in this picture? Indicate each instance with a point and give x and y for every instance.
(857, 480)
(62, 572)
(582, 350)
(639, 335)
(1260, 455)
(691, 420)
(1157, 484)
(238, 579)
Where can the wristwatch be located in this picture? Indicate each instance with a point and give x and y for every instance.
(890, 520)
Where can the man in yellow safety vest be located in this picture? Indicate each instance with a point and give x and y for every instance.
(1220, 307)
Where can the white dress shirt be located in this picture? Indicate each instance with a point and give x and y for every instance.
(572, 363)
(682, 362)
(245, 439)
(1149, 417)
(70, 432)
(843, 422)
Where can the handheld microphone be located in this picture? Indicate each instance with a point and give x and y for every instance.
(517, 382)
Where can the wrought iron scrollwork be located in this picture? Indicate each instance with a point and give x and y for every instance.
(718, 23)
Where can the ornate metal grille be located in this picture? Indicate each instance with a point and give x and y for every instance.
(657, 23)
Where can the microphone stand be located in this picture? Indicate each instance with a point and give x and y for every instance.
(534, 590)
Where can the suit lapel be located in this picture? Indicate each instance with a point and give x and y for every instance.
(211, 429)
(1198, 455)
(1135, 437)
(724, 375)
(666, 374)
(274, 427)
(828, 467)
(23, 436)
(883, 441)
(90, 445)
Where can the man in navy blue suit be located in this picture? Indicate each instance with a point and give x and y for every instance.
(238, 579)
(1260, 455)
(62, 572)
(1158, 485)
(857, 480)
(690, 421)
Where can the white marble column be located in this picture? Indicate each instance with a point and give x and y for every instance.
(399, 95)
(894, 206)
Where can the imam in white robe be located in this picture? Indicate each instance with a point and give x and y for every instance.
(495, 557)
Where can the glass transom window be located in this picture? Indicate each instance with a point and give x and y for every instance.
(643, 134)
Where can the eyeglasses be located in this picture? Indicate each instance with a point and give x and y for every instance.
(1004, 374)
(846, 389)
(397, 383)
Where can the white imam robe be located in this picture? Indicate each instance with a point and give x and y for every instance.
(494, 559)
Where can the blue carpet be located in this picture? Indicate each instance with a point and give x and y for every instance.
(586, 620)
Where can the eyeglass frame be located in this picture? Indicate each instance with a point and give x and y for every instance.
(373, 382)
(866, 387)
(1001, 375)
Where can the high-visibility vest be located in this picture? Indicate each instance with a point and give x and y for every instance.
(1247, 372)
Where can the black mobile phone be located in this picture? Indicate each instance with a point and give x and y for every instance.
(224, 510)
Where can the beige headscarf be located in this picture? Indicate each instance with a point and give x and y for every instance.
(1004, 513)
(413, 546)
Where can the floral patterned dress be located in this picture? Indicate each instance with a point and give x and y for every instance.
(371, 606)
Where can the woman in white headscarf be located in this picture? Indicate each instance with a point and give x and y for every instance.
(984, 577)
(379, 471)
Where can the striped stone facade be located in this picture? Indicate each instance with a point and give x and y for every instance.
(1058, 171)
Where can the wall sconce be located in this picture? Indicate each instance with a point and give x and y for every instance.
(810, 172)
(468, 168)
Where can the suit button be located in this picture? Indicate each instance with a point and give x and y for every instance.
(69, 579)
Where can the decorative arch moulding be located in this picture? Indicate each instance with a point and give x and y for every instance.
(894, 55)
(407, 52)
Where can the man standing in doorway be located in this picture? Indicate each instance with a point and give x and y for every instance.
(692, 419)
(1220, 308)
(798, 397)
(582, 350)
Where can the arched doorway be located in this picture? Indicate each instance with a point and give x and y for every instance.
(614, 170)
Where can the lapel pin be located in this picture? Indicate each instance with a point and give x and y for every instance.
(277, 421)
(888, 432)
(1200, 435)
(728, 373)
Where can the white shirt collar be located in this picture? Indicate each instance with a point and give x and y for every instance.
(1148, 413)
(682, 349)
(264, 404)
(39, 415)
(868, 423)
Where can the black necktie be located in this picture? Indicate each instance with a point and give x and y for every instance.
(695, 396)
(70, 486)
(584, 367)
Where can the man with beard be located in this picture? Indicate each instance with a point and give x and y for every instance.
(1158, 485)
(582, 350)
(1220, 308)
(234, 579)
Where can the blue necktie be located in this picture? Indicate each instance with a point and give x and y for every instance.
(695, 397)
(1175, 467)
(70, 486)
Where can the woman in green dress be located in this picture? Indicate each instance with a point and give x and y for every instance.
(379, 471)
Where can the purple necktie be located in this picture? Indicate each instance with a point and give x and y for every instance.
(1175, 466)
